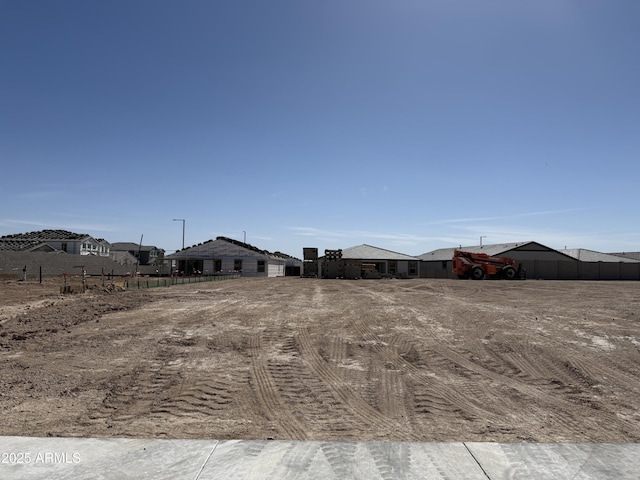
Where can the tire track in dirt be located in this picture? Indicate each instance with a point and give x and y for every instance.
(268, 395)
(171, 385)
(430, 396)
(203, 398)
(573, 384)
(390, 393)
(370, 416)
(325, 415)
(310, 400)
(134, 393)
(540, 390)
(563, 382)
(546, 396)
(527, 371)
(197, 395)
(437, 390)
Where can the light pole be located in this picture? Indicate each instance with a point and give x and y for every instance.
(183, 251)
(245, 236)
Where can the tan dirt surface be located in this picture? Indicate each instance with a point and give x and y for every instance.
(308, 359)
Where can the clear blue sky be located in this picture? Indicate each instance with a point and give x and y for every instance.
(409, 124)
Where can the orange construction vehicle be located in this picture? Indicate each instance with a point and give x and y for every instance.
(480, 265)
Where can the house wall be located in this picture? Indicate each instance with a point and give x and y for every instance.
(436, 269)
(353, 268)
(73, 246)
(272, 268)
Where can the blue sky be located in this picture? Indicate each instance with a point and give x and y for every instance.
(410, 125)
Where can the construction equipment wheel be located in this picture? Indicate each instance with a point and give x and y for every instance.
(477, 273)
(509, 273)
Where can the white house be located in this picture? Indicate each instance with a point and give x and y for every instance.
(56, 240)
(228, 255)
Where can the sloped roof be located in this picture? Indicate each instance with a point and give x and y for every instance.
(23, 245)
(498, 249)
(286, 256)
(122, 257)
(47, 235)
(132, 247)
(221, 246)
(368, 252)
(632, 255)
(584, 255)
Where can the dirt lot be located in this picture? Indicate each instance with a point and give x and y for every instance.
(290, 358)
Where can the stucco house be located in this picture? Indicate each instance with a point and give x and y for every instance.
(228, 255)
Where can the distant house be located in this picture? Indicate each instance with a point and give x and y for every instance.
(366, 261)
(437, 264)
(228, 255)
(143, 254)
(55, 241)
(540, 261)
(123, 258)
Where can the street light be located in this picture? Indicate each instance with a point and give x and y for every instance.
(183, 251)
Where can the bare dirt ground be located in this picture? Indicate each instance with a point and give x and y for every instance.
(307, 359)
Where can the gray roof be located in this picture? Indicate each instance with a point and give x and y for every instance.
(585, 255)
(633, 255)
(132, 247)
(47, 235)
(495, 249)
(367, 252)
(22, 245)
(32, 241)
(498, 249)
(222, 247)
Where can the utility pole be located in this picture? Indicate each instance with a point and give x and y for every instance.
(245, 236)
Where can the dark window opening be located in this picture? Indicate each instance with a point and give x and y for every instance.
(413, 268)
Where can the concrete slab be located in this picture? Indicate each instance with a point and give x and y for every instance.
(340, 460)
(533, 461)
(93, 458)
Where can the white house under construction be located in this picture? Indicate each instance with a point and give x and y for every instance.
(228, 255)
